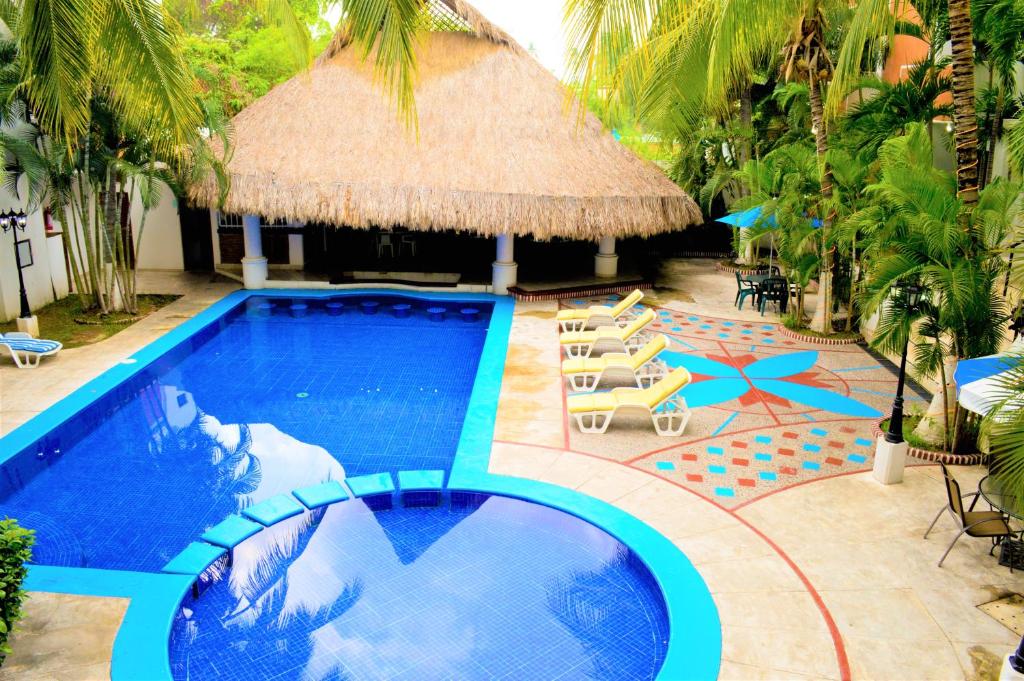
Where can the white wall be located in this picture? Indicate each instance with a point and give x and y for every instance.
(160, 248)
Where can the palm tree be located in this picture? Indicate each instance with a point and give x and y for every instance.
(127, 52)
(999, 25)
(729, 40)
(965, 124)
(894, 106)
(927, 243)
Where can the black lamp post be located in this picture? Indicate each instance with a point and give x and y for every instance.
(12, 222)
(909, 296)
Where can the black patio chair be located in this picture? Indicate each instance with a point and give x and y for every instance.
(773, 290)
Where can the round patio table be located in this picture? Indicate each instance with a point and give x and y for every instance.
(1004, 501)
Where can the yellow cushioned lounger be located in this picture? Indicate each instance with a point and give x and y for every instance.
(606, 338)
(580, 318)
(594, 411)
(584, 373)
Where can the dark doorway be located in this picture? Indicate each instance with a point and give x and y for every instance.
(196, 238)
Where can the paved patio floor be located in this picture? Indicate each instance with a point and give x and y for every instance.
(817, 571)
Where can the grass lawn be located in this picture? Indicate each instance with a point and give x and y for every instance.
(65, 320)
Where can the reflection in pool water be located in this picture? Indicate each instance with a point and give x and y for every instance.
(479, 587)
(258, 404)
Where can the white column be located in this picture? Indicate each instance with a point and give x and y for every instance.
(606, 263)
(254, 265)
(504, 268)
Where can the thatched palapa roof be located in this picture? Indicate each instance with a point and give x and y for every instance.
(498, 151)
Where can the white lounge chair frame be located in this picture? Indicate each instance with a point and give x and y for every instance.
(25, 359)
(605, 344)
(596, 321)
(644, 377)
(669, 417)
(604, 317)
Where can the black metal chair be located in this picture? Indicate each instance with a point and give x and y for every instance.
(775, 290)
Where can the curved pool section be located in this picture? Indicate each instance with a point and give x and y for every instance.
(265, 392)
(477, 587)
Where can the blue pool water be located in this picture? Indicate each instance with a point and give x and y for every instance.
(480, 587)
(260, 403)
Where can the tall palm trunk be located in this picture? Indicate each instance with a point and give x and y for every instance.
(965, 129)
(823, 318)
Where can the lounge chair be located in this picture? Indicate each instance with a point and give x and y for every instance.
(579, 319)
(606, 338)
(26, 350)
(584, 373)
(594, 411)
(989, 524)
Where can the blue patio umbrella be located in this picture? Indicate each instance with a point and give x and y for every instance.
(750, 217)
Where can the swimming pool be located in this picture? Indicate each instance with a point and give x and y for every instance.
(477, 587)
(262, 401)
(267, 392)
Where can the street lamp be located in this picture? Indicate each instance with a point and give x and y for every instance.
(891, 449)
(13, 221)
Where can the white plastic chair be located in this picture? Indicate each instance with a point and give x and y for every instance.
(384, 241)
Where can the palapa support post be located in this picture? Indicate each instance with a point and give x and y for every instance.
(504, 269)
(606, 262)
(254, 265)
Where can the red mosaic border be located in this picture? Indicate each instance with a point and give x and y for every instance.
(733, 269)
(972, 459)
(580, 291)
(796, 335)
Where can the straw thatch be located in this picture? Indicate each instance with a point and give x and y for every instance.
(498, 151)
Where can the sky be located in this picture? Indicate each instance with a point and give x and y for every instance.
(536, 22)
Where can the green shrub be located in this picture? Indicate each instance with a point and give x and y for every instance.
(15, 550)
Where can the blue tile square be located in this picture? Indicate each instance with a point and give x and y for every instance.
(763, 439)
(716, 450)
(273, 510)
(419, 481)
(720, 470)
(725, 492)
(315, 496)
(768, 340)
(861, 442)
(812, 465)
(763, 457)
(231, 532)
(368, 485)
(857, 458)
(194, 559)
(767, 475)
(666, 466)
(819, 432)
(812, 448)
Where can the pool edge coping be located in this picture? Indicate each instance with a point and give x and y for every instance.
(152, 594)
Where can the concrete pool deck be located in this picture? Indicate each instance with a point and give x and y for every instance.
(818, 573)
